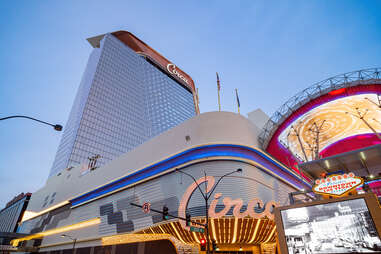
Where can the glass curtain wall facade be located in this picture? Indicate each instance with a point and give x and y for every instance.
(123, 100)
(10, 216)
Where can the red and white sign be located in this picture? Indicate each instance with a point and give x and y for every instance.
(146, 207)
(337, 185)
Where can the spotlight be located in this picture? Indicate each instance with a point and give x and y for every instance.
(371, 176)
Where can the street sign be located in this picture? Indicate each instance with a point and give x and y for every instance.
(196, 229)
(146, 207)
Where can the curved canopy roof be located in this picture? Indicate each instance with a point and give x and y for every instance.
(327, 112)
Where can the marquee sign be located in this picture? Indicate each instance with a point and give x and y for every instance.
(337, 185)
(228, 203)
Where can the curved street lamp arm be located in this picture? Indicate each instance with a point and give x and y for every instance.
(19, 116)
(194, 180)
(68, 236)
(57, 127)
(219, 180)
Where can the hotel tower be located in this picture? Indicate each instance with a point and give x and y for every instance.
(129, 93)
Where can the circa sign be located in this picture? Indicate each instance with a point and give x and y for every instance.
(228, 203)
(337, 185)
(172, 69)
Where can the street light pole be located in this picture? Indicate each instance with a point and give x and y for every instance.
(57, 127)
(206, 214)
(206, 197)
(72, 238)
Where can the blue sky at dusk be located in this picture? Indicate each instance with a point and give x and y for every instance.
(269, 50)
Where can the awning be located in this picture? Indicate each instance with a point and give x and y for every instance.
(362, 162)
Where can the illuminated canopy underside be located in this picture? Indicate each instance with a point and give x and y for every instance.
(226, 230)
(337, 125)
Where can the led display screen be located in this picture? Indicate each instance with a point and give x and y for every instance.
(337, 227)
(331, 122)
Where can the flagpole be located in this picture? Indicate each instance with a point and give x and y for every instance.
(218, 91)
(238, 104)
(219, 102)
(198, 101)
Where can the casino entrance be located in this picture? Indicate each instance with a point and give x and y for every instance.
(230, 234)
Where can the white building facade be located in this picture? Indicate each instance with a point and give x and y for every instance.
(94, 206)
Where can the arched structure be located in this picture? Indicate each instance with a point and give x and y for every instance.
(335, 115)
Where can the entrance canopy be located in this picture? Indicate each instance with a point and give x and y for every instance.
(362, 162)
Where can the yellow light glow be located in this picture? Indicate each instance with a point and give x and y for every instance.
(255, 231)
(235, 230)
(246, 229)
(177, 232)
(162, 231)
(228, 238)
(271, 234)
(222, 231)
(30, 215)
(213, 230)
(75, 226)
(133, 238)
(195, 237)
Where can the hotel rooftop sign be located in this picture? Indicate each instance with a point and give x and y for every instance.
(143, 49)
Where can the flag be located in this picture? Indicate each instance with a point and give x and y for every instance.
(236, 94)
(238, 104)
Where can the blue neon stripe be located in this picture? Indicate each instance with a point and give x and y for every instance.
(374, 181)
(193, 154)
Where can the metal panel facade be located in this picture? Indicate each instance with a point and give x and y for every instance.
(118, 216)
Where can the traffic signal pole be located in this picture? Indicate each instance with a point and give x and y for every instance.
(206, 197)
(170, 215)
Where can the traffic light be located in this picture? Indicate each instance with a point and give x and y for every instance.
(188, 219)
(214, 244)
(203, 244)
(165, 213)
